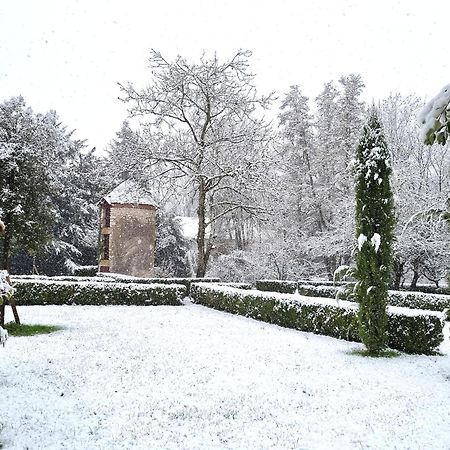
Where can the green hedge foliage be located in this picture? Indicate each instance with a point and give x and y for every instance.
(45, 292)
(85, 271)
(245, 286)
(409, 331)
(93, 279)
(281, 286)
(323, 282)
(429, 289)
(184, 281)
(406, 299)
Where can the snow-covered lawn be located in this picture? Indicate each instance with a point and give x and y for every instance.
(193, 378)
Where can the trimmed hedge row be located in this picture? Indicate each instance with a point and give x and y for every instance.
(85, 271)
(62, 278)
(184, 281)
(409, 331)
(419, 300)
(245, 286)
(414, 300)
(124, 279)
(44, 292)
(324, 282)
(407, 299)
(289, 287)
(283, 287)
(429, 289)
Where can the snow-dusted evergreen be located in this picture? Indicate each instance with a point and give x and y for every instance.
(375, 222)
(435, 118)
(49, 189)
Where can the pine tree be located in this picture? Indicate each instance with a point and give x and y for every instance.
(375, 222)
(49, 192)
(172, 247)
(24, 202)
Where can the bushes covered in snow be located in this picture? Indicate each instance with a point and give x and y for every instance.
(118, 278)
(320, 288)
(319, 291)
(414, 300)
(46, 292)
(419, 300)
(408, 330)
(184, 281)
(62, 278)
(85, 271)
(282, 286)
(237, 285)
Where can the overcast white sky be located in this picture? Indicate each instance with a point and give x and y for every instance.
(69, 55)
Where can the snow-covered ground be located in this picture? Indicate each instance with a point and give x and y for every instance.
(193, 378)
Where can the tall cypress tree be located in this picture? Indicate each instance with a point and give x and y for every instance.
(375, 222)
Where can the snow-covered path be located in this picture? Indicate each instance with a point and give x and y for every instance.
(193, 378)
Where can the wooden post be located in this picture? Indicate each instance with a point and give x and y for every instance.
(2, 314)
(12, 302)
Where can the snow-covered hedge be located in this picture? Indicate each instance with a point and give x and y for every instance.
(323, 282)
(45, 292)
(85, 271)
(419, 300)
(410, 331)
(237, 285)
(118, 278)
(429, 289)
(93, 279)
(289, 286)
(184, 281)
(406, 299)
(283, 287)
(318, 291)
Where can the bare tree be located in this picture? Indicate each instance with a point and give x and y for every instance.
(206, 126)
(421, 185)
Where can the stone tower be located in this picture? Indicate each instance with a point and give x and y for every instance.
(128, 231)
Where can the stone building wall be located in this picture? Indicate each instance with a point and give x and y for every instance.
(131, 241)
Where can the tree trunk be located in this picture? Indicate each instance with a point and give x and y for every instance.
(398, 274)
(201, 251)
(415, 277)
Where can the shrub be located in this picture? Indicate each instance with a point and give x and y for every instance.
(413, 300)
(85, 271)
(429, 289)
(62, 278)
(45, 292)
(184, 281)
(304, 287)
(419, 300)
(324, 282)
(119, 278)
(281, 286)
(408, 330)
(245, 286)
(318, 291)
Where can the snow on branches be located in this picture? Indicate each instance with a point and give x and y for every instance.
(435, 118)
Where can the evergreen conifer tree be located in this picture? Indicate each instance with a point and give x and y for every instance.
(375, 222)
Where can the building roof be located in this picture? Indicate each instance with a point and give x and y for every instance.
(129, 192)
